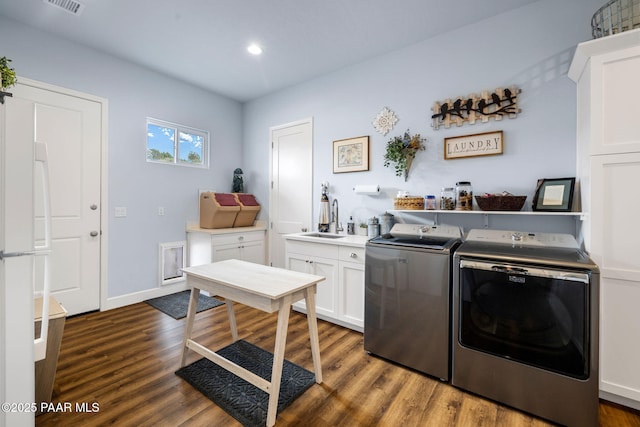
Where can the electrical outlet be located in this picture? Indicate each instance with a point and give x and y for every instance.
(160, 211)
(120, 212)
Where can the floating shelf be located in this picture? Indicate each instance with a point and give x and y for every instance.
(485, 215)
(455, 212)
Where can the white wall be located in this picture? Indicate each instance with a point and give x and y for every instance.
(530, 47)
(133, 94)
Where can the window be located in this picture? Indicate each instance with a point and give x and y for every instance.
(176, 144)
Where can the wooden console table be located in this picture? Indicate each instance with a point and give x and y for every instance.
(262, 287)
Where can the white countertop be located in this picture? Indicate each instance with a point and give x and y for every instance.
(353, 240)
(258, 226)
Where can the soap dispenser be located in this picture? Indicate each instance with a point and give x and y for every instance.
(325, 215)
(351, 227)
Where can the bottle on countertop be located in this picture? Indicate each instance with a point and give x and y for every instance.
(373, 228)
(351, 227)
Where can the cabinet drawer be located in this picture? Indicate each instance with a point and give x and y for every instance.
(232, 238)
(311, 249)
(351, 254)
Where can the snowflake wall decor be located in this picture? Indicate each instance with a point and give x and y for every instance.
(385, 120)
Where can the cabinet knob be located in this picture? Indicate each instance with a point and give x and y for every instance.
(353, 255)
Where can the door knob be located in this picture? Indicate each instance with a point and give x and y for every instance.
(93, 233)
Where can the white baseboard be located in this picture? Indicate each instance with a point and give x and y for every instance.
(136, 297)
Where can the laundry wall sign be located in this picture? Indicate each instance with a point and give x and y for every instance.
(502, 102)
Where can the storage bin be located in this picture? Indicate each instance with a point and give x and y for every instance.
(45, 369)
(249, 208)
(218, 210)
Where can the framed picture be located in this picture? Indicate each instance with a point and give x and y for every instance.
(351, 155)
(479, 144)
(554, 195)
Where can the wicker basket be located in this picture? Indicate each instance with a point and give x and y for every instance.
(500, 203)
(615, 17)
(408, 203)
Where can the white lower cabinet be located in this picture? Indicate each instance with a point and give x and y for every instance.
(204, 247)
(340, 298)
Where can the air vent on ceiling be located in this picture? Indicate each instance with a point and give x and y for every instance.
(71, 6)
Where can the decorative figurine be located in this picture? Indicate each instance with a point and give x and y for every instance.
(238, 184)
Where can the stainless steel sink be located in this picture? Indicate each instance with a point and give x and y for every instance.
(324, 235)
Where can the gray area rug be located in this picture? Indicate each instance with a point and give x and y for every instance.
(239, 398)
(176, 305)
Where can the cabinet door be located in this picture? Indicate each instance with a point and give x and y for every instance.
(352, 293)
(253, 252)
(326, 304)
(614, 240)
(614, 93)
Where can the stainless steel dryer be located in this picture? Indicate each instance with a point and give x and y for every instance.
(407, 296)
(525, 323)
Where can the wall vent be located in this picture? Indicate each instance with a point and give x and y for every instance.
(71, 6)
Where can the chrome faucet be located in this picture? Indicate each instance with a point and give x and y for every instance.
(334, 216)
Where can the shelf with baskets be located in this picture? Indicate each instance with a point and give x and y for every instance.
(460, 217)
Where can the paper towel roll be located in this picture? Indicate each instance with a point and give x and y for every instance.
(367, 189)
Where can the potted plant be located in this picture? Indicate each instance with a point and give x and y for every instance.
(363, 229)
(8, 74)
(401, 151)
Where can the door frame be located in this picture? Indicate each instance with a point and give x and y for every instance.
(272, 129)
(104, 169)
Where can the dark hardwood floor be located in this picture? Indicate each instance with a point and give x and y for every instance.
(122, 363)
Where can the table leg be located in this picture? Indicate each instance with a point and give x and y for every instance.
(278, 359)
(191, 314)
(232, 319)
(310, 302)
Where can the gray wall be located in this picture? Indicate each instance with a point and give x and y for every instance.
(530, 47)
(134, 93)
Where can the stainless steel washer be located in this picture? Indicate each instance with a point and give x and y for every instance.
(525, 323)
(407, 296)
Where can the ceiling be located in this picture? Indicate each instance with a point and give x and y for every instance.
(204, 42)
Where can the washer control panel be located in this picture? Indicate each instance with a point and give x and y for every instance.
(417, 230)
(523, 238)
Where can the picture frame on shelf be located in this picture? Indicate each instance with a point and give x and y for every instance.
(351, 155)
(554, 195)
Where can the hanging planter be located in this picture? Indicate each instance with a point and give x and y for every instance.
(7, 74)
(401, 151)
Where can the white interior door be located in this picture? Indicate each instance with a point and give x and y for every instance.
(290, 206)
(70, 124)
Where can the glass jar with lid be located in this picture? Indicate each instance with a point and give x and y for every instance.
(448, 199)
(430, 202)
(464, 196)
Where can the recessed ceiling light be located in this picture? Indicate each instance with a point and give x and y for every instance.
(254, 49)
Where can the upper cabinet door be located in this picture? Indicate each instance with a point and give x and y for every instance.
(607, 71)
